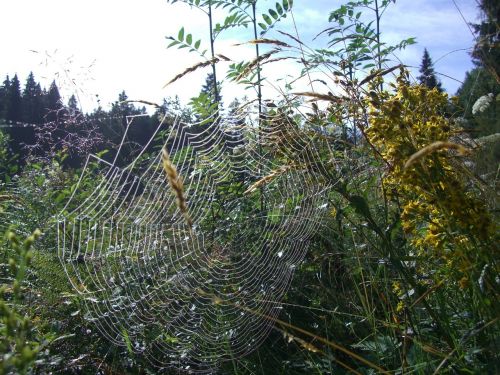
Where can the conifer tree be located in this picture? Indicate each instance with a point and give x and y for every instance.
(121, 107)
(20, 135)
(72, 110)
(53, 97)
(3, 97)
(14, 100)
(53, 102)
(73, 103)
(428, 76)
(32, 101)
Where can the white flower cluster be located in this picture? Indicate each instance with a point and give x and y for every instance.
(482, 103)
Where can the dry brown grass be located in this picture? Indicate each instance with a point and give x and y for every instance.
(176, 184)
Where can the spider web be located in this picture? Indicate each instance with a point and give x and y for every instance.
(191, 297)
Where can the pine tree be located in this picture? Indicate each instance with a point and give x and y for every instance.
(32, 101)
(118, 122)
(14, 101)
(53, 97)
(72, 110)
(428, 76)
(3, 97)
(121, 107)
(20, 135)
(73, 103)
(53, 102)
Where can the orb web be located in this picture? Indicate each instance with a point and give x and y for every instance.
(187, 296)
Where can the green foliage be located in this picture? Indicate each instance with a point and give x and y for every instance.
(8, 165)
(356, 42)
(486, 51)
(273, 16)
(204, 107)
(232, 20)
(238, 15)
(479, 82)
(18, 343)
(487, 158)
(186, 41)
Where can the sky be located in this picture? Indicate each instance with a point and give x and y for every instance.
(97, 48)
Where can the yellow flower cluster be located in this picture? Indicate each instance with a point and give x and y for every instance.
(439, 214)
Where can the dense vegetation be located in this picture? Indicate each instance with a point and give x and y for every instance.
(402, 274)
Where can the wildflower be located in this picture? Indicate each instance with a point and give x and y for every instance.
(396, 287)
(442, 218)
(333, 212)
(400, 306)
(482, 103)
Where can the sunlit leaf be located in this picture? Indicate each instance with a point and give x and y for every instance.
(268, 19)
(279, 9)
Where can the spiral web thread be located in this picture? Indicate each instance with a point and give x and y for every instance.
(191, 297)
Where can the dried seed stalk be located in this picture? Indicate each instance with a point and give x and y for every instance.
(326, 97)
(306, 345)
(147, 102)
(255, 62)
(197, 66)
(270, 41)
(427, 150)
(266, 179)
(379, 73)
(176, 185)
(291, 37)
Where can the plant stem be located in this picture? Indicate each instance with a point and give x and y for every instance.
(259, 90)
(377, 36)
(257, 53)
(214, 71)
